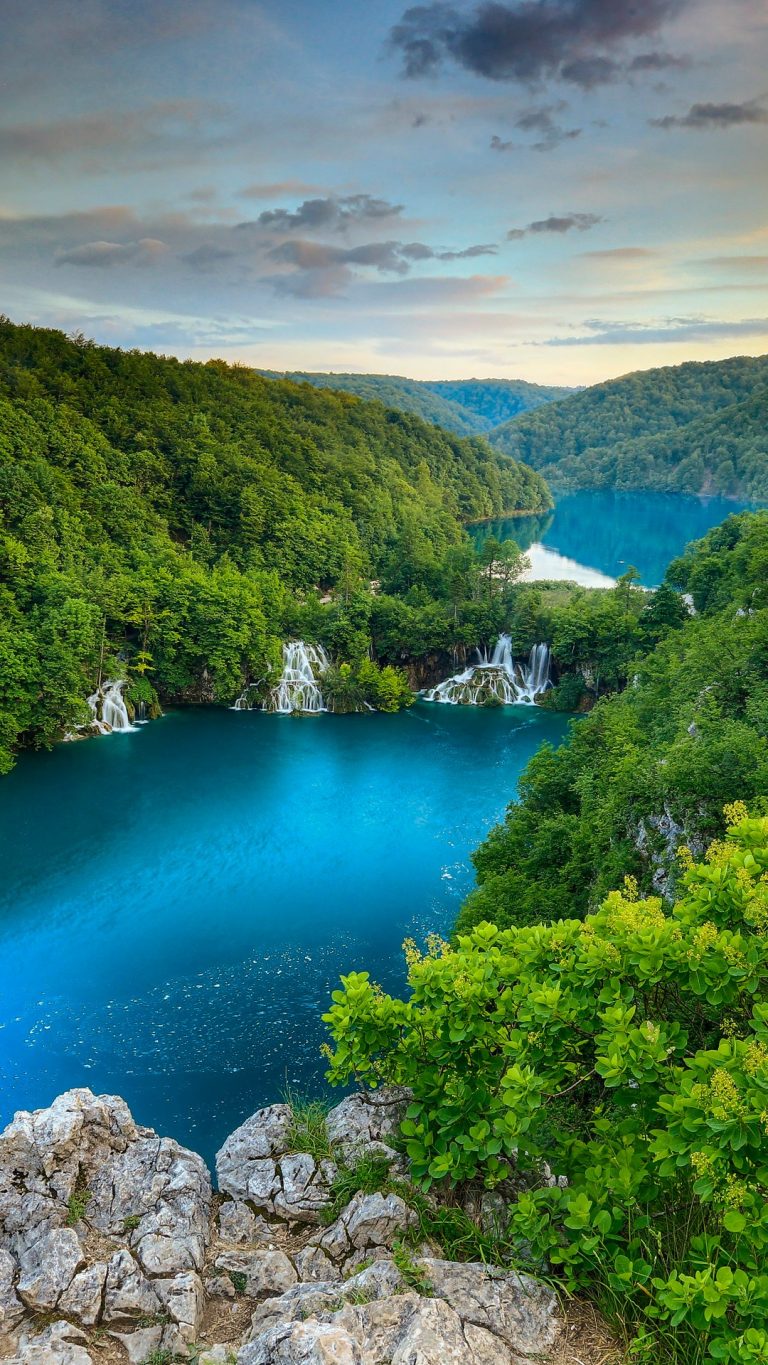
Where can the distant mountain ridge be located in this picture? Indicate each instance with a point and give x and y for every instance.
(701, 427)
(467, 407)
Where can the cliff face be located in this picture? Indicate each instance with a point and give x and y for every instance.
(114, 1248)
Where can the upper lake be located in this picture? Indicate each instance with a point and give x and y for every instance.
(593, 536)
(178, 902)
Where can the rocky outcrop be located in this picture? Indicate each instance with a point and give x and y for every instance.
(113, 1248)
(101, 1222)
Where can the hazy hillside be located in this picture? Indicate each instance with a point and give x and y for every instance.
(693, 428)
(469, 407)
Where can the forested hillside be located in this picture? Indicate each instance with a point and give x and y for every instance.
(650, 767)
(698, 428)
(465, 406)
(180, 515)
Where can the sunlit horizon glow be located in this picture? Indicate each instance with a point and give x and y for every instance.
(561, 191)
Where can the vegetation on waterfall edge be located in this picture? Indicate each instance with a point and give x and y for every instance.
(619, 1036)
(174, 522)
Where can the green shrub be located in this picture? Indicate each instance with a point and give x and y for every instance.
(630, 1052)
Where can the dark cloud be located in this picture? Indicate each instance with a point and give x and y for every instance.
(419, 251)
(712, 116)
(104, 255)
(576, 40)
(658, 61)
(329, 213)
(567, 222)
(591, 71)
(544, 123)
(689, 329)
(388, 258)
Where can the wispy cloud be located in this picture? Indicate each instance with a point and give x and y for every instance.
(711, 117)
(691, 329)
(556, 223)
(107, 254)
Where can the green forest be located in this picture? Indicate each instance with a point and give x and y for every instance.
(467, 407)
(592, 1045)
(175, 521)
(695, 428)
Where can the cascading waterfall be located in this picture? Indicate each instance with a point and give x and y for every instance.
(498, 678)
(108, 709)
(299, 689)
(242, 703)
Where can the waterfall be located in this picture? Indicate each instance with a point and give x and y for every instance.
(298, 689)
(497, 678)
(108, 709)
(242, 703)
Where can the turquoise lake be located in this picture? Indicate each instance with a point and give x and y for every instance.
(177, 903)
(593, 536)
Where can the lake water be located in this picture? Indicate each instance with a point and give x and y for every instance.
(177, 903)
(592, 537)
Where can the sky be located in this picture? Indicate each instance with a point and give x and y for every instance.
(555, 190)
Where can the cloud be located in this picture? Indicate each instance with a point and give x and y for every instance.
(323, 270)
(690, 329)
(278, 187)
(582, 222)
(330, 213)
(207, 256)
(529, 41)
(175, 129)
(751, 263)
(541, 121)
(104, 255)
(704, 117)
(620, 253)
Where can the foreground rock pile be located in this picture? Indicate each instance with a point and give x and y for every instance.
(113, 1248)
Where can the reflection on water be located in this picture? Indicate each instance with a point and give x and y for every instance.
(594, 535)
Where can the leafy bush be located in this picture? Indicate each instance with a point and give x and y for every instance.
(630, 1052)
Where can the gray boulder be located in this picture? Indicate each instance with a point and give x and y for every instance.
(266, 1273)
(369, 1222)
(364, 1124)
(255, 1164)
(100, 1220)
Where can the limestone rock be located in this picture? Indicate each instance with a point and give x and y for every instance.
(47, 1265)
(128, 1293)
(378, 1281)
(266, 1273)
(365, 1123)
(263, 1135)
(519, 1310)
(305, 1188)
(141, 1343)
(11, 1307)
(312, 1265)
(183, 1299)
(302, 1343)
(58, 1344)
(84, 1158)
(239, 1224)
(83, 1298)
(369, 1221)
